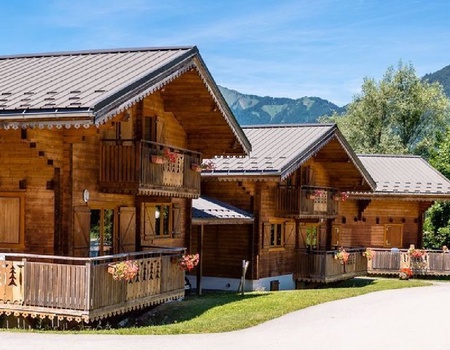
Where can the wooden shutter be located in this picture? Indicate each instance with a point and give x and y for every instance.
(10, 220)
(266, 234)
(336, 235)
(127, 229)
(289, 234)
(176, 225)
(393, 235)
(150, 220)
(81, 231)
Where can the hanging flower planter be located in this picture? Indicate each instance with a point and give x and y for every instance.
(196, 167)
(157, 159)
(124, 270)
(188, 261)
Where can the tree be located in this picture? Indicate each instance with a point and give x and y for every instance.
(396, 115)
(437, 220)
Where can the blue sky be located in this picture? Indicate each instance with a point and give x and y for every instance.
(290, 48)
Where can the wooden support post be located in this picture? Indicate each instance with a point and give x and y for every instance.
(200, 262)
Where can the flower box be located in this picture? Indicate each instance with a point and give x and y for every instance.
(157, 159)
(196, 167)
(188, 261)
(123, 270)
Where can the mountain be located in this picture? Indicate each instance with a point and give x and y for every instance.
(253, 110)
(442, 76)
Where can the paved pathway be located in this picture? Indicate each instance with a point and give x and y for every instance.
(416, 318)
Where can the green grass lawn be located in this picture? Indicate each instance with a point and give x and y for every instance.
(224, 312)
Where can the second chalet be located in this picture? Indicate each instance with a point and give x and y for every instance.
(306, 195)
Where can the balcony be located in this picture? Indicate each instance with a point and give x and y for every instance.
(390, 261)
(322, 267)
(81, 289)
(306, 201)
(126, 166)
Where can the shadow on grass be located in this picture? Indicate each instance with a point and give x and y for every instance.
(190, 307)
(357, 282)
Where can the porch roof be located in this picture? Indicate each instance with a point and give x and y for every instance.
(89, 87)
(211, 211)
(405, 175)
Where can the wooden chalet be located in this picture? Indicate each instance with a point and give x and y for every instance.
(97, 165)
(290, 184)
(390, 219)
(310, 195)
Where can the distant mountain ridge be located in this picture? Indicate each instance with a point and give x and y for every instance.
(442, 76)
(254, 110)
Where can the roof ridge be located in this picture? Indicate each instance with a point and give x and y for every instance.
(97, 51)
(280, 126)
(380, 155)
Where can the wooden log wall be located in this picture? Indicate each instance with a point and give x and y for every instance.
(368, 230)
(224, 248)
(169, 130)
(26, 168)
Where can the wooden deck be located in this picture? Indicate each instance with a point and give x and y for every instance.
(322, 267)
(295, 201)
(127, 167)
(389, 262)
(81, 289)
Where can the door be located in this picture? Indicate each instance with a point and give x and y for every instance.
(102, 232)
(393, 236)
(310, 234)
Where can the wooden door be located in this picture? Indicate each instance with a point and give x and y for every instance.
(127, 229)
(81, 228)
(393, 235)
(336, 235)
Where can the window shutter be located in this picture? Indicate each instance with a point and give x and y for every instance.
(176, 225)
(289, 234)
(149, 221)
(266, 235)
(81, 231)
(127, 229)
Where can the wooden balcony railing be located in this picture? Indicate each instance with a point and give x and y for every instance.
(390, 261)
(81, 289)
(306, 201)
(127, 167)
(322, 266)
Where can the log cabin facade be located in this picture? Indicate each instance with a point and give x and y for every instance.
(310, 194)
(288, 183)
(97, 155)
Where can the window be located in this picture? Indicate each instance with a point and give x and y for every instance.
(157, 220)
(276, 235)
(101, 233)
(273, 235)
(162, 220)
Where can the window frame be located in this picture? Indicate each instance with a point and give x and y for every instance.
(152, 226)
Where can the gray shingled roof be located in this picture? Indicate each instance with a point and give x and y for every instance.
(79, 81)
(274, 147)
(404, 174)
(208, 209)
(280, 149)
(86, 87)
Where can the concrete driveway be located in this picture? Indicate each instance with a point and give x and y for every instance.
(415, 318)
